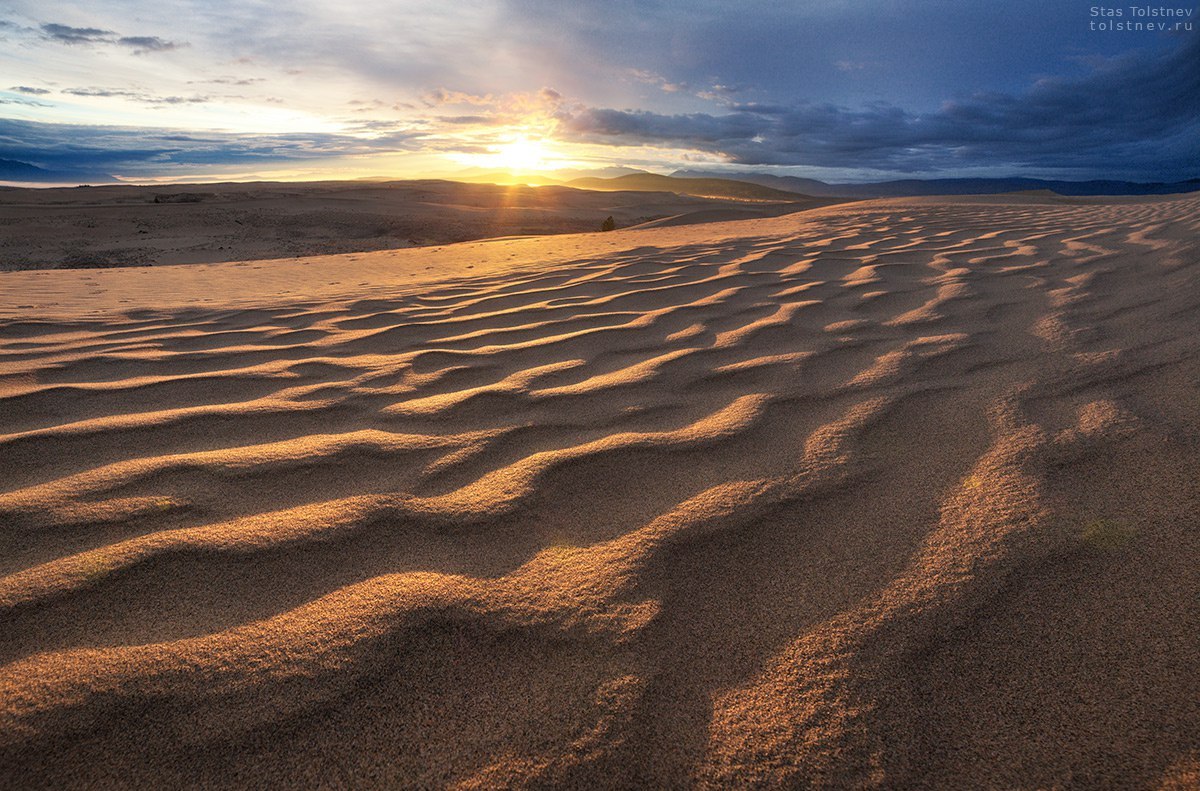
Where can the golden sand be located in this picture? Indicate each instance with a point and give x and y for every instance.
(900, 493)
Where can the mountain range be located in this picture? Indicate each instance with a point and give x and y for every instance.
(703, 187)
(749, 186)
(962, 186)
(25, 173)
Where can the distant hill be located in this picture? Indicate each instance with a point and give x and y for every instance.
(502, 176)
(14, 170)
(699, 187)
(784, 183)
(912, 187)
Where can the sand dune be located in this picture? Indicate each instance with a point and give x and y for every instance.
(891, 494)
(126, 225)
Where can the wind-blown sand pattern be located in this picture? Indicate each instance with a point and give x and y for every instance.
(891, 494)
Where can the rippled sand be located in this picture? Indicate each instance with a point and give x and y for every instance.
(900, 493)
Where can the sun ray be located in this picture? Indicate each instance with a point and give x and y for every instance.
(522, 154)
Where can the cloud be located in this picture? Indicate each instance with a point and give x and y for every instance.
(144, 44)
(722, 94)
(757, 83)
(22, 101)
(466, 120)
(137, 96)
(146, 151)
(66, 34)
(1135, 117)
(658, 81)
(441, 96)
(230, 81)
(28, 90)
(141, 45)
(527, 109)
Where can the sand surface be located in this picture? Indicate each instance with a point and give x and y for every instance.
(892, 494)
(125, 225)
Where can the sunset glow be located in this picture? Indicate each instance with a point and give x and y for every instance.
(182, 90)
(521, 154)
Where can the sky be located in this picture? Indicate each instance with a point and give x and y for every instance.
(841, 90)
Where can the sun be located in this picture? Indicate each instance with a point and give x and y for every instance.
(521, 154)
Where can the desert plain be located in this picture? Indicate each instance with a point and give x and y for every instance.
(894, 493)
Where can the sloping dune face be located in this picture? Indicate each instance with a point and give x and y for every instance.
(893, 494)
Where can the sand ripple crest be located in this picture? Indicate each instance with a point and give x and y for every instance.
(892, 494)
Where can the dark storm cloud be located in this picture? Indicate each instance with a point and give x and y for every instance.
(913, 52)
(92, 149)
(1138, 116)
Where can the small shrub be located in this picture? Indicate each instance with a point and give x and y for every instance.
(609, 224)
(181, 197)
